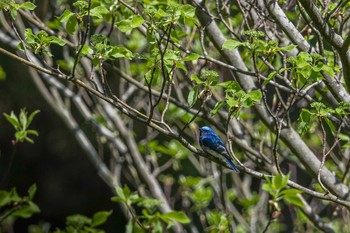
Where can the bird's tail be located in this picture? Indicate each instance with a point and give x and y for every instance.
(231, 165)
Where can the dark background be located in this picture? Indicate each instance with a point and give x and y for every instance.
(66, 180)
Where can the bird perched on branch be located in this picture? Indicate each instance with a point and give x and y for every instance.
(213, 145)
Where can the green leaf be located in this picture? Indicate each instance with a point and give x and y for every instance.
(255, 95)
(293, 199)
(330, 124)
(189, 181)
(231, 44)
(28, 6)
(82, 5)
(20, 135)
(217, 107)
(288, 48)
(3, 73)
(232, 102)
(268, 188)
(188, 11)
(124, 25)
(32, 115)
(270, 77)
(77, 221)
(26, 211)
(28, 140)
(192, 96)
(23, 119)
(120, 192)
(273, 74)
(191, 57)
(100, 217)
(150, 203)
(13, 13)
(196, 79)
(86, 50)
(30, 37)
(13, 120)
(285, 180)
(279, 182)
(99, 11)
(137, 21)
(202, 197)
(5, 198)
(290, 192)
(344, 137)
(32, 132)
(126, 191)
(118, 51)
(32, 191)
(72, 24)
(328, 69)
(118, 199)
(56, 40)
(210, 76)
(177, 216)
(65, 16)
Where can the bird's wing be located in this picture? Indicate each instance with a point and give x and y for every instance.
(214, 143)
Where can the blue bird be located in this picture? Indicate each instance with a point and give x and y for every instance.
(213, 145)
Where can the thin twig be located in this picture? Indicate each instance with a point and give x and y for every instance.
(324, 155)
(278, 122)
(82, 42)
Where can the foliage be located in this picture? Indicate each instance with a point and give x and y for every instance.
(21, 124)
(83, 224)
(13, 206)
(276, 187)
(135, 79)
(149, 220)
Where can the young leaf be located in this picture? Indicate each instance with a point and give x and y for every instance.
(13, 120)
(288, 48)
(65, 16)
(99, 11)
(293, 199)
(26, 211)
(32, 115)
(100, 217)
(23, 118)
(177, 216)
(56, 40)
(120, 192)
(124, 25)
(28, 6)
(192, 96)
(32, 191)
(290, 192)
(231, 44)
(191, 57)
(5, 198)
(136, 21)
(72, 24)
(196, 79)
(217, 107)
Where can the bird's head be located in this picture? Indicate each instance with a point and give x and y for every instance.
(206, 130)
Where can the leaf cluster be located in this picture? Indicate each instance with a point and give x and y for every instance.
(13, 7)
(83, 224)
(14, 206)
(39, 42)
(277, 188)
(21, 124)
(149, 219)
